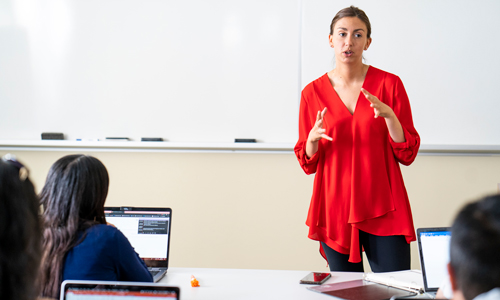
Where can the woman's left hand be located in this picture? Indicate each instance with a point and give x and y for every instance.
(379, 107)
(383, 110)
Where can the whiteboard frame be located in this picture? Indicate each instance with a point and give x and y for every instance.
(130, 146)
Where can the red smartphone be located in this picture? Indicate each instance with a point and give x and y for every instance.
(315, 278)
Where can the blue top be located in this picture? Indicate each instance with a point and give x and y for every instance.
(105, 254)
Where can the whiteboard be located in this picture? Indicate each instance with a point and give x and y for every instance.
(215, 70)
(186, 71)
(445, 52)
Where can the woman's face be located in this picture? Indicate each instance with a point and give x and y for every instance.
(349, 40)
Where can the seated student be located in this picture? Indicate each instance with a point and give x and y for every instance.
(77, 243)
(474, 266)
(20, 232)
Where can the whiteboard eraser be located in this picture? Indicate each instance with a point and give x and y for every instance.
(52, 136)
(245, 140)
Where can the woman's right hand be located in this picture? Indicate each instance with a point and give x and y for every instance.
(317, 133)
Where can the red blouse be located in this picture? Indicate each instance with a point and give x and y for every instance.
(358, 183)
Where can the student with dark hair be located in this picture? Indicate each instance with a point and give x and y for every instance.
(77, 242)
(474, 266)
(20, 232)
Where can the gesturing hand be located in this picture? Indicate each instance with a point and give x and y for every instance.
(318, 132)
(379, 107)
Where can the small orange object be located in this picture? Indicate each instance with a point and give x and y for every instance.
(194, 281)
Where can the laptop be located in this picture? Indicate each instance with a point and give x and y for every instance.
(434, 252)
(148, 230)
(116, 290)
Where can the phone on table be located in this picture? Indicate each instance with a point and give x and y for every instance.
(315, 278)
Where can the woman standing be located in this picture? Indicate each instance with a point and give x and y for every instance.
(355, 127)
(77, 243)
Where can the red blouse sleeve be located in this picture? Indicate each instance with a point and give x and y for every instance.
(407, 151)
(306, 122)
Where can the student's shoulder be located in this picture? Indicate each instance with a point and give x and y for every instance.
(103, 231)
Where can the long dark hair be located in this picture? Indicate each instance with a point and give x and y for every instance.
(73, 200)
(20, 234)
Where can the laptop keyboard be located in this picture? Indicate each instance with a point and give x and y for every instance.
(154, 272)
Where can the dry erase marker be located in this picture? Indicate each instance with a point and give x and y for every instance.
(117, 139)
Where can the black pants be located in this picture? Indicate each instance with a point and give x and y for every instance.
(385, 254)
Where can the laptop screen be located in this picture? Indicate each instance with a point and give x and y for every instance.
(147, 229)
(434, 246)
(95, 290)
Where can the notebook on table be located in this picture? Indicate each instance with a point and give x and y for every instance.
(148, 231)
(114, 290)
(434, 253)
(360, 289)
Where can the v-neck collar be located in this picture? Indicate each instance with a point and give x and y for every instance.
(337, 97)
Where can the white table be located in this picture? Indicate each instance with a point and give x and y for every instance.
(247, 284)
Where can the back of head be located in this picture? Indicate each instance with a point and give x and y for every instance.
(475, 247)
(75, 191)
(73, 200)
(20, 234)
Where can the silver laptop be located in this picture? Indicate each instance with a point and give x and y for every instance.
(114, 290)
(148, 230)
(434, 252)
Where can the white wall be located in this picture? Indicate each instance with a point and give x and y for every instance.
(236, 210)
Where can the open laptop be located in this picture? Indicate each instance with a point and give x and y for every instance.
(148, 230)
(114, 290)
(434, 252)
